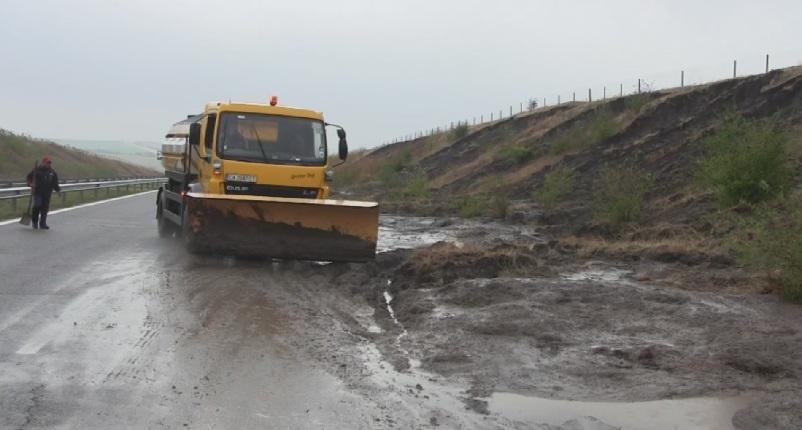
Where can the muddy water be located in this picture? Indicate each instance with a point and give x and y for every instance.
(686, 414)
(405, 233)
(399, 232)
(505, 408)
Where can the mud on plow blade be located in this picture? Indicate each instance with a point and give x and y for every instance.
(304, 229)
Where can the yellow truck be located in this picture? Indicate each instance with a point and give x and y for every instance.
(254, 180)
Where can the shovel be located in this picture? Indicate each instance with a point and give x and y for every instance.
(26, 217)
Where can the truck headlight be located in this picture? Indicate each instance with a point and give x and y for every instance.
(329, 175)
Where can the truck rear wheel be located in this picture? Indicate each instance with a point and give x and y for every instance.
(165, 227)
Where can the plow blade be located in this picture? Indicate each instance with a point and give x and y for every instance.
(304, 229)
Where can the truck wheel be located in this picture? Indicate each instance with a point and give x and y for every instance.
(190, 242)
(164, 227)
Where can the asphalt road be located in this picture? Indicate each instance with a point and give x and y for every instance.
(105, 325)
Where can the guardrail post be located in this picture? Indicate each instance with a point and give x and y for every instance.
(14, 205)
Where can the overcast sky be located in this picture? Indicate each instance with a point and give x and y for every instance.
(126, 70)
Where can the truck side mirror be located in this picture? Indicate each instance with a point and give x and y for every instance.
(343, 144)
(343, 149)
(194, 134)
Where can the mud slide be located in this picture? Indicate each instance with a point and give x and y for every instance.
(523, 331)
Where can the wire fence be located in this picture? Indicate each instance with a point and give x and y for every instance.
(603, 92)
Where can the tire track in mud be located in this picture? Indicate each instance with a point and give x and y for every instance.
(348, 353)
(141, 363)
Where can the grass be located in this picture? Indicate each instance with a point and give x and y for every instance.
(471, 206)
(637, 102)
(499, 201)
(620, 195)
(600, 126)
(345, 178)
(417, 188)
(461, 130)
(390, 171)
(748, 161)
(557, 184)
(65, 200)
(770, 240)
(516, 154)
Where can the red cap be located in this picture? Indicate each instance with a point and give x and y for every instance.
(46, 160)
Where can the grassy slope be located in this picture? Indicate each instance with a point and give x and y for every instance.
(18, 154)
(501, 168)
(660, 132)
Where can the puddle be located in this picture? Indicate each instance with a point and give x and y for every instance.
(408, 232)
(685, 414)
(603, 275)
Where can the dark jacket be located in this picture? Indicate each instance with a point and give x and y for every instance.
(44, 180)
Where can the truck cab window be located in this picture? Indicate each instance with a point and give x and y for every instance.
(209, 137)
(272, 139)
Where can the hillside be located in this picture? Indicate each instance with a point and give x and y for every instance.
(706, 176)
(18, 154)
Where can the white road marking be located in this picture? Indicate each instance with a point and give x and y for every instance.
(14, 221)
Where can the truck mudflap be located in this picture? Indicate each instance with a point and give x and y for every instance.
(288, 228)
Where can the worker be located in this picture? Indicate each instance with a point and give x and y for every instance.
(43, 180)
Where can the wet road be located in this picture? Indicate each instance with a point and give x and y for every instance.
(104, 325)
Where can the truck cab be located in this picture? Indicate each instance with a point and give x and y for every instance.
(260, 150)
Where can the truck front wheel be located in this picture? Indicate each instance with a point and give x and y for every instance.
(165, 227)
(188, 235)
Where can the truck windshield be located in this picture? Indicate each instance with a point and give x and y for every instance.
(271, 139)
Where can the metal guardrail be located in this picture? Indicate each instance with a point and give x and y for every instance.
(5, 184)
(15, 193)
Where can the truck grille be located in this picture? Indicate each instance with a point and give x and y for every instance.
(270, 190)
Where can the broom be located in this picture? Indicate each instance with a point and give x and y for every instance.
(26, 217)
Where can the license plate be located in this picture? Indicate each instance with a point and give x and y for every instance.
(240, 178)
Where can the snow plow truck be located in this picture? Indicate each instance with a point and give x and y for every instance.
(254, 180)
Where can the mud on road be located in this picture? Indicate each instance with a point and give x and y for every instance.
(512, 325)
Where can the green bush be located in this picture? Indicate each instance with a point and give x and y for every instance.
(557, 184)
(390, 172)
(499, 203)
(416, 187)
(771, 240)
(516, 154)
(471, 206)
(637, 102)
(346, 177)
(602, 126)
(747, 161)
(620, 195)
(461, 130)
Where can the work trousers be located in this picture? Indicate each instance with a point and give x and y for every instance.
(41, 204)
